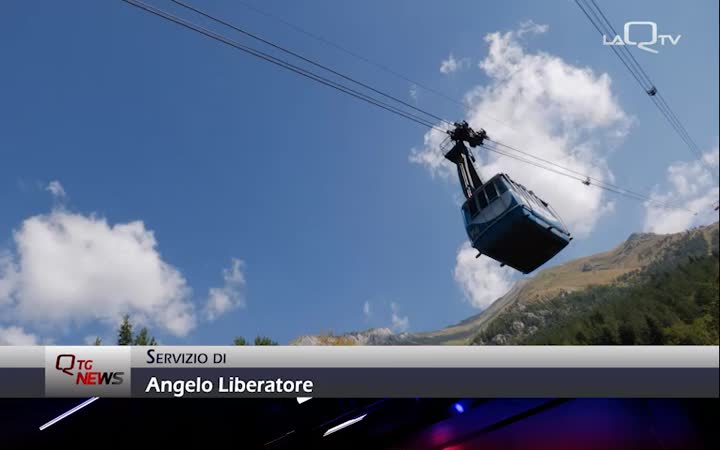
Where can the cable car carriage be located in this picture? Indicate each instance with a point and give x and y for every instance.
(503, 219)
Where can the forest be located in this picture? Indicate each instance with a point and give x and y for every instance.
(672, 302)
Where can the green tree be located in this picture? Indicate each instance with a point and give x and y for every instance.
(607, 336)
(143, 339)
(98, 341)
(695, 333)
(264, 340)
(581, 338)
(125, 336)
(627, 334)
(655, 332)
(239, 341)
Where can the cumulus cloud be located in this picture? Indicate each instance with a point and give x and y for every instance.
(230, 295)
(452, 64)
(14, 335)
(542, 104)
(8, 276)
(56, 189)
(399, 323)
(70, 268)
(431, 155)
(482, 280)
(692, 190)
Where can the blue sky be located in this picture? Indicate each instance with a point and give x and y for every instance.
(222, 156)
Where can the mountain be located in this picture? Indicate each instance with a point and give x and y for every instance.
(373, 336)
(538, 302)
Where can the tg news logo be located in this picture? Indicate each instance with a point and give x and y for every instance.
(83, 372)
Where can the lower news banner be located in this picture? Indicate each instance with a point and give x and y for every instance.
(360, 372)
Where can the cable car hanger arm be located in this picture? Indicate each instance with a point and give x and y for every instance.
(462, 158)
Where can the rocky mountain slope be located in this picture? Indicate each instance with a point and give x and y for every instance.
(638, 252)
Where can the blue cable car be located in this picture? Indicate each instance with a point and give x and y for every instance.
(503, 219)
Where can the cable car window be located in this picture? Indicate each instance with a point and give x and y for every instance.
(482, 201)
(516, 190)
(501, 186)
(491, 192)
(538, 202)
(472, 208)
(542, 205)
(466, 213)
(525, 196)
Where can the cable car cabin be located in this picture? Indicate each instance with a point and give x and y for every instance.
(504, 220)
(512, 225)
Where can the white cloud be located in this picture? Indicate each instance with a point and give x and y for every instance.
(544, 105)
(14, 335)
(71, 269)
(366, 309)
(692, 190)
(530, 27)
(230, 296)
(452, 64)
(8, 276)
(56, 189)
(399, 323)
(431, 155)
(482, 280)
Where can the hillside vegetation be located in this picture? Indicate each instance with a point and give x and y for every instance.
(673, 301)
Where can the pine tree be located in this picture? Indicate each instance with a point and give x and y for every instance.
(142, 338)
(125, 336)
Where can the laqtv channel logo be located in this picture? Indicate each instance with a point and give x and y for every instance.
(641, 38)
